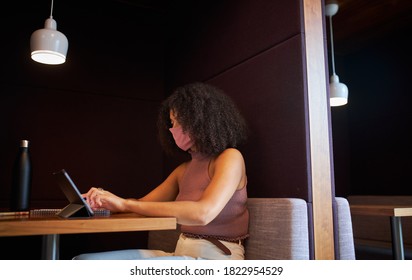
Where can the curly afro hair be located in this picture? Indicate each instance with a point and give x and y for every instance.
(209, 116)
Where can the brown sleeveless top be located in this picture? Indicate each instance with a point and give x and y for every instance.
(232, 222)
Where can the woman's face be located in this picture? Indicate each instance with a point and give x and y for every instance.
(182, 139)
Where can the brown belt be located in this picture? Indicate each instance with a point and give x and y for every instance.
(219, 244)
(216, 242)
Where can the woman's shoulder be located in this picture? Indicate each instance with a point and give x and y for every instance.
(230, 154)
(231, 151)
(231, 160)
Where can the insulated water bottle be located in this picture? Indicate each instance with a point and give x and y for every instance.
(21, 180)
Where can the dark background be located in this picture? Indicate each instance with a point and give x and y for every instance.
(96, 114)
(371, 134)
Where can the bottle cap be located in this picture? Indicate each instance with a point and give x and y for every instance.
(24, 143)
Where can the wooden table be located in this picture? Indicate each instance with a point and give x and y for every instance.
(52, 226)
(395, 213)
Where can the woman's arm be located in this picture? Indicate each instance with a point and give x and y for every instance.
(166, 191)
(228, 174)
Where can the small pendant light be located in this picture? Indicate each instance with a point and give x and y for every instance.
(48, 45)
(338, 91)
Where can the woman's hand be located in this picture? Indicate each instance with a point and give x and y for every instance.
(98, 198)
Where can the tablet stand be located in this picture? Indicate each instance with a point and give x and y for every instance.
(77, 207)
(74, 210)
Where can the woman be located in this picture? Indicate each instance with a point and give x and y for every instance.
(206, 194)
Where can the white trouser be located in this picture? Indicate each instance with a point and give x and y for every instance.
(186, 248)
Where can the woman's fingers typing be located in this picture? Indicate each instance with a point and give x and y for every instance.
(94, 197)
(99, 198)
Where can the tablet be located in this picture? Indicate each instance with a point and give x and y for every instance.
(77, 207)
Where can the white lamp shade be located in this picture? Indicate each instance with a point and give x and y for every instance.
(338, 92)
(48, 45)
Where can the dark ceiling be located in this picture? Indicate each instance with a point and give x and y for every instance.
(359, 23)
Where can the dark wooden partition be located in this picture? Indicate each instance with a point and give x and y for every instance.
(270, 57)
(256, 48)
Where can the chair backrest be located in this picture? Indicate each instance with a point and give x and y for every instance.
(278, 229)
(344, 231)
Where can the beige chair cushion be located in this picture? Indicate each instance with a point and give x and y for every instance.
(278, 229)
(346, 250)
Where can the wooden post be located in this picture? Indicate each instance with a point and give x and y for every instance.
(318, 116)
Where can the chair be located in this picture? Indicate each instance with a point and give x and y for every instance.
(345, 242)
(278, 229)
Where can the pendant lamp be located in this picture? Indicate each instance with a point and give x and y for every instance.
(337, 90)
(48, 45)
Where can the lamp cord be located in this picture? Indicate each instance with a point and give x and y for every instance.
(331, 44)
(51, 10)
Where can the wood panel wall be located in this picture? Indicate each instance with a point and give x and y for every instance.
(274, 68)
